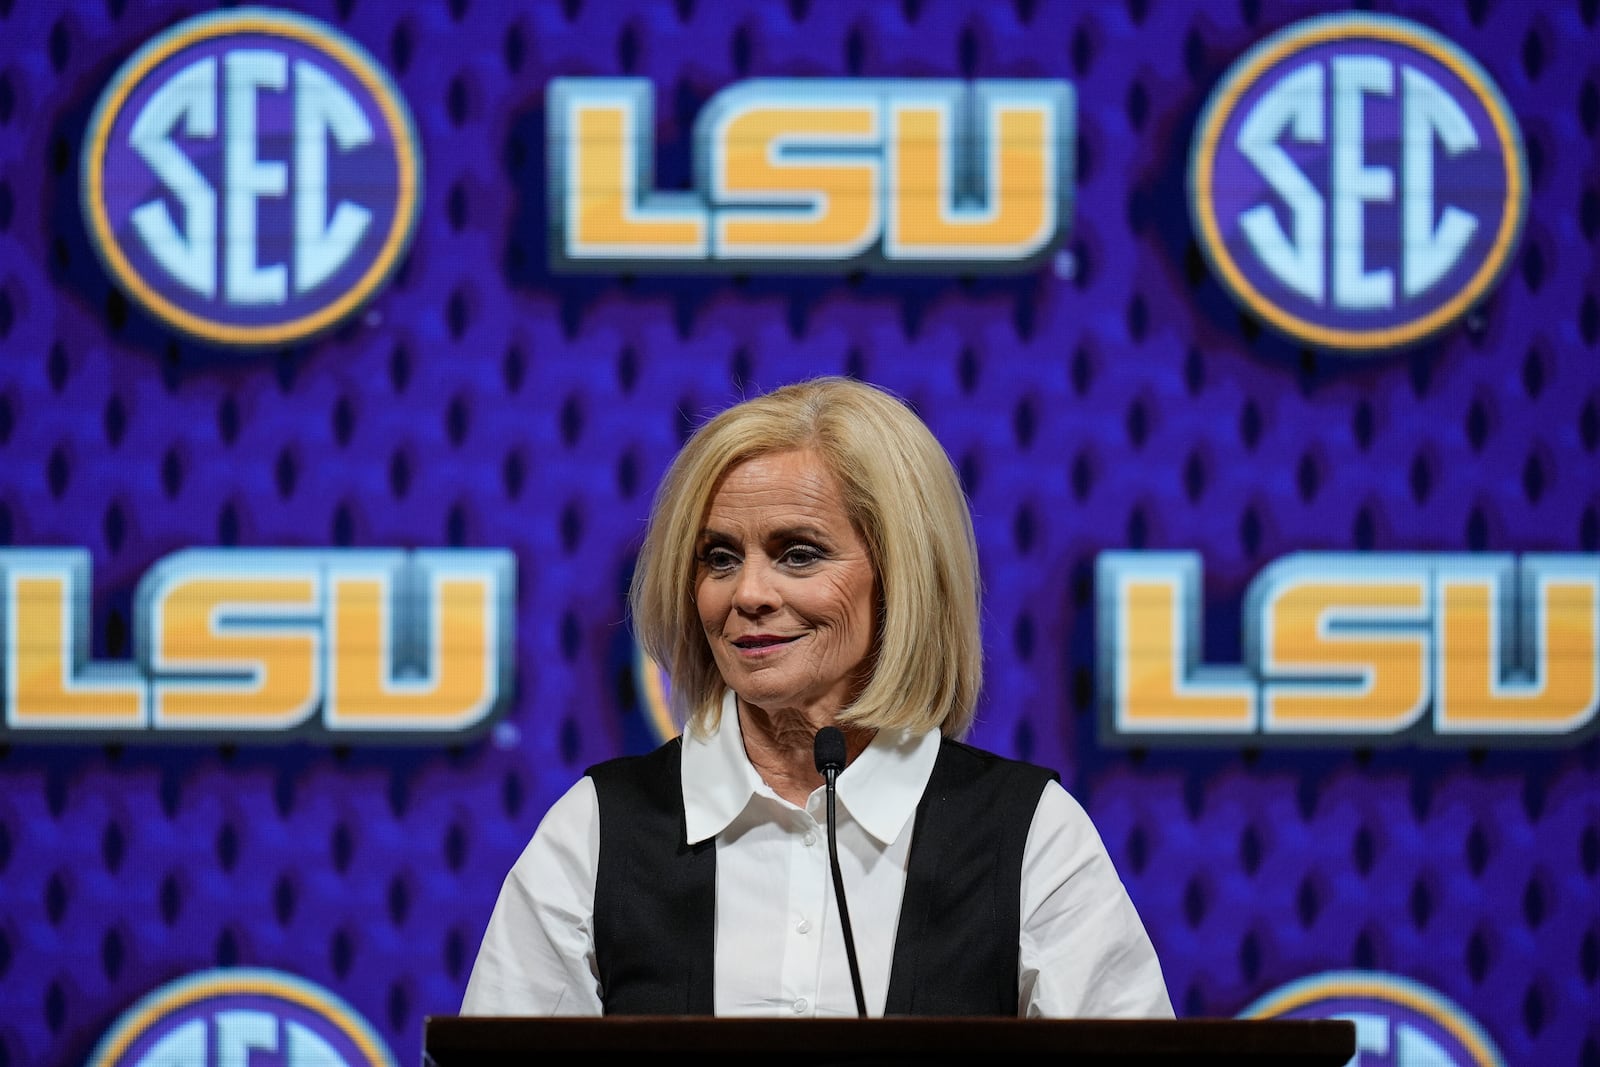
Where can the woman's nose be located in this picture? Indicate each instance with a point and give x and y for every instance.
(753, 590)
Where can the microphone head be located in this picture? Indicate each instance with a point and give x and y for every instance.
(828, 748)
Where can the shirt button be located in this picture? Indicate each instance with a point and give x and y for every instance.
(801, 1005)
(810, 838)
(804, 926)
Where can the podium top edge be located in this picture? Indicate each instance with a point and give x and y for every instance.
(449, 1039)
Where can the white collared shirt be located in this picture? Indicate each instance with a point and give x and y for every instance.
(779, 947)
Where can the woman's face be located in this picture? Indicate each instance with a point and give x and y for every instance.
(785, 587)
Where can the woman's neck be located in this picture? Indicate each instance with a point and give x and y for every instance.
(779, 745)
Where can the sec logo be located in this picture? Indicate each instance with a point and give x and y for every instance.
(1357, 182)
(654, 689)
(250, 177)
(1399, 1022)
(217, 1018)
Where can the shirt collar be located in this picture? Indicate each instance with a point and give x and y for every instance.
(718, 780)
(880, 789)
(883, 785)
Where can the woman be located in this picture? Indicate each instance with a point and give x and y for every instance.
(810, 562)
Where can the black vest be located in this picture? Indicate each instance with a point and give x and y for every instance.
(956, 946)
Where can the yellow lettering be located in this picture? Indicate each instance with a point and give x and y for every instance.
(459, 686)
(1375, 680)
(842, 193)
(605, 213)
(1155, 692)
(1020, 175)
(1564, 691)
(252, 676)
(47, 688)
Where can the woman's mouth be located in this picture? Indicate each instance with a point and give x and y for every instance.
(756, 644)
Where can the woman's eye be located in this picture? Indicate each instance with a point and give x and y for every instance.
(802, 556)
(719, 559)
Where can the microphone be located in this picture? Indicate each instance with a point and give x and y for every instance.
(829, 751)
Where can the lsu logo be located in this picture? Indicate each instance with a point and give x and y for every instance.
(245, 645)
(1399, 1022)
(1357, 182)
(1355, 648)
(228, 1018)
(815, 175)
(251, 177)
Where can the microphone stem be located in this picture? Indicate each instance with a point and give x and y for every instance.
(838, 896)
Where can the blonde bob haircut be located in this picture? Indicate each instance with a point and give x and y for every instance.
(908, 506)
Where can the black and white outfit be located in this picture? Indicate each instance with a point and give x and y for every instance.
(680, 883)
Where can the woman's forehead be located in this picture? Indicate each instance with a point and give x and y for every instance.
(795, 483)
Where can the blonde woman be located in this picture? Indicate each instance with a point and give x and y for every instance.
(810, 562)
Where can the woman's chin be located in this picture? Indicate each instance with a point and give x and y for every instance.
(789, 705)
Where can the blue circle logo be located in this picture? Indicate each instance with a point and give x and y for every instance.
(237, 1017)
(1398, 1021)
(1357, 182)
(251, 177)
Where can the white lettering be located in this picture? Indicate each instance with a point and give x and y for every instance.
(322, 107)
(1355, 184)
(1430, 252)
(249, 178)
(1297, 263)
(240, 1033)
(190, 257)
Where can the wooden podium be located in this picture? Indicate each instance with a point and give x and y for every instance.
(457, 1041)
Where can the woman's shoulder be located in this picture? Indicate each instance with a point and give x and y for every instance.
(650, 779)
(664, 757)
(958, 755)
